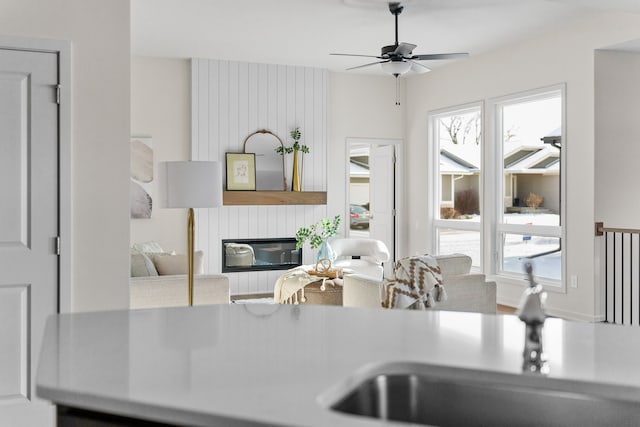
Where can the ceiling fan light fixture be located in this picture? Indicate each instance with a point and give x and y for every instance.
(419, 68)
(395, 68)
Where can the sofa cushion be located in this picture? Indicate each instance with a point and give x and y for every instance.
(148, 248)
(168, 264)
(142, 265)
(454, 264)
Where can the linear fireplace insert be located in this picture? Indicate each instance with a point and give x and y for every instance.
(241, 255)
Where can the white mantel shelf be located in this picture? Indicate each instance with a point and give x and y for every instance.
(241, 364)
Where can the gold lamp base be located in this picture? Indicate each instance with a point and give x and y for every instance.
(190, 239)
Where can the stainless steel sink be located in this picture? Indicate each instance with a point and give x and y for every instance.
(443, 396)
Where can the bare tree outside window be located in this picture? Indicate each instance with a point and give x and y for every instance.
(463, 128)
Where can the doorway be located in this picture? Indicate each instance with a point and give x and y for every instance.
(371, 192)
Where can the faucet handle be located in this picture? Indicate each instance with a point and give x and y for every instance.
(531, 309)
(528, 268)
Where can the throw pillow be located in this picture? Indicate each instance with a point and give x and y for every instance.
(177, 264)
(148, 248)
(141, 265)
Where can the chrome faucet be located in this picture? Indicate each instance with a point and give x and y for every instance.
(531, 312)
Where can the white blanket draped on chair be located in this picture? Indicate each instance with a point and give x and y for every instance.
(417, 284)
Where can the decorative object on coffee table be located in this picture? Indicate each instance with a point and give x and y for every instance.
(324, 268)
(318, 235)
(191, 184)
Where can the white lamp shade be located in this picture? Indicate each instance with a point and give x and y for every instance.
(190, 184)
(396, 67)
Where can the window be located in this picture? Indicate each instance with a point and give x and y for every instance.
(529, 217)
(458, 150)
(519, 214)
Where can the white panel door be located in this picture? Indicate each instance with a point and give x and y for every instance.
(28, 227)
(382, 195)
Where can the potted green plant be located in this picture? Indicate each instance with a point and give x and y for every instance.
(318, 235)
(296, 181)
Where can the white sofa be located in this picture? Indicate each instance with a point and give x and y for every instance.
(465, 291)
(158, 279)
(171, 290)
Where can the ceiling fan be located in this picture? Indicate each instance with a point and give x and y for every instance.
(398, 58)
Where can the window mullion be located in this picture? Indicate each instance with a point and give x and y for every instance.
(538, 230)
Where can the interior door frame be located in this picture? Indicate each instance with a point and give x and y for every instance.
(398, 185)
(63, 50)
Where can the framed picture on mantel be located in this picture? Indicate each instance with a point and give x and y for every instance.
(241, 171)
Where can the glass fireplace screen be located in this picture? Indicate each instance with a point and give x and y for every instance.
(260, 254)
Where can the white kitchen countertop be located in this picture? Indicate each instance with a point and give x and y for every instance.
(254, 363)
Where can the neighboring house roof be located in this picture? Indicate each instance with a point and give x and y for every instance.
(358, 171)
(544, 159)
(360, 160)
(541, 159)
(519, 154)
(533, 157)
(450, 164)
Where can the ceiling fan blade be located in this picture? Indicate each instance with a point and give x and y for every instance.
(417, 67)
(439, 56)
(404, 49)
(367, 65)
(350, 54)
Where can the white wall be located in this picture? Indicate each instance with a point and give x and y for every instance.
(359, 106)
(99, 35)
(617, 92)
(231, 100)
(160, 108)
(565, 55)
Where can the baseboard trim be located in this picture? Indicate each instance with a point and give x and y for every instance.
(563, 314)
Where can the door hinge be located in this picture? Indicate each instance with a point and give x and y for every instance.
(58, 245)
(58, 94)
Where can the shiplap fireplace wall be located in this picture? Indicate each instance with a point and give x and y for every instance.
(230, 100)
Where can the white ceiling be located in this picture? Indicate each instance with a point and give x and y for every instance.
(304, 32)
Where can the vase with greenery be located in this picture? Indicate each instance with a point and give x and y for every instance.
(318, 235)
(297, 147)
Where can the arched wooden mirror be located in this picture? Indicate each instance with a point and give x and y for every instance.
(269, 164)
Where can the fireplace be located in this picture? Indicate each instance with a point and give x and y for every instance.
(241, 255)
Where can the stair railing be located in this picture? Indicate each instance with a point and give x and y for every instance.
(621, 274)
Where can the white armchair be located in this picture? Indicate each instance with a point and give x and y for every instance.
(465, 291)
(369, 255)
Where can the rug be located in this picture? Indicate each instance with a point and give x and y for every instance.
(254, 301)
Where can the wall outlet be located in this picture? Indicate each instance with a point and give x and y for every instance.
(574, 281)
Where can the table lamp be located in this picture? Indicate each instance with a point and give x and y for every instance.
(190, 184)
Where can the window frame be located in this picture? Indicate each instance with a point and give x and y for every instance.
(491, 225)
(498, 228)
(436, 184)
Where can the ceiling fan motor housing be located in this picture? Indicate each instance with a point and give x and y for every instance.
(389, 52)
(395, 8)
(398, 58)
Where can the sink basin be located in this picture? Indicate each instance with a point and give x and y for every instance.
(444, 396)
